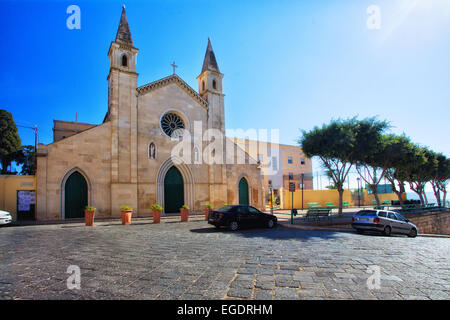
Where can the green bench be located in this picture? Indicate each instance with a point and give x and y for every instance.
(330, 205)
(313, 205)
(317, 213)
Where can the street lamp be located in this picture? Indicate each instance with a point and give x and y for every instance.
(359, 195)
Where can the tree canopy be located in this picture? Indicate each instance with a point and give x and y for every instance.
(10, 143)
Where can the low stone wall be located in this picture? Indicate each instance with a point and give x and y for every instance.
(431, 222)
(426, 222)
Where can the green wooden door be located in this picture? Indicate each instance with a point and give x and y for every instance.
(243, 192)
(76, 196)
(173, 191)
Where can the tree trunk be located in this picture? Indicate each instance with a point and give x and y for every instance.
(444, 197)
(397, 192)
(341, 197)
(375, 194)
(437, 193)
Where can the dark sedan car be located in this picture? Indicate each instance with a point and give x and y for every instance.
(240, 216)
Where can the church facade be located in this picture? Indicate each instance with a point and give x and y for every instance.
(132, 159)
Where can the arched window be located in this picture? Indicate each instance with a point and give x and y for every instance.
(196, 155)
(124, 61)
(203, 85)
(152, 151)
(214, 84)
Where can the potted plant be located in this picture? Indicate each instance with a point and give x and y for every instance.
(89, 213)
(126, 212)
(156, 211)
(184, 210)
(208, 207)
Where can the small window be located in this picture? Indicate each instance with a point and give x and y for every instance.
(291, 176)
(382, 214)
(196, 155)
(274, 164)
(253, 210)
(152, 151)
(302, 160)
(203, 85)
(289, 159)
(124, 61)
(392, 216)
(214, 84)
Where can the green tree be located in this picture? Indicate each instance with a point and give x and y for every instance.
(397, 151)
(340, 144)
(27, 159)
(10, 144)
(440, 180)
(420, 172)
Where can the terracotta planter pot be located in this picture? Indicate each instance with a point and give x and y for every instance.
(89, 217)
(207, 213)
(184, 214)
(126, 216)
(156, 216)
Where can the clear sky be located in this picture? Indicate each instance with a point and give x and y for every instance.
(288, 65)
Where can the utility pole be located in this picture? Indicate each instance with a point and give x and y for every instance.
(35, 128)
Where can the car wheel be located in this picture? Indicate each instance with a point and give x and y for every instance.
(412, 233)
(387, 231)
(234, 225)
(270, 224)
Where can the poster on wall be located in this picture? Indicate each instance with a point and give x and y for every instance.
(25, 199)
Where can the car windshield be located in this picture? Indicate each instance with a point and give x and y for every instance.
(367, 213)
(225, 208)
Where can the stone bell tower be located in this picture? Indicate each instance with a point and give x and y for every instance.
(122, 113)
(210, 89)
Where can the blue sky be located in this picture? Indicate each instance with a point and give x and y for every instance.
(288, 65)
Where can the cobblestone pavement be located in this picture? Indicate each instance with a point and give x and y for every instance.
(193, 260)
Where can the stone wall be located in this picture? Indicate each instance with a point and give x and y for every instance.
(431, 222)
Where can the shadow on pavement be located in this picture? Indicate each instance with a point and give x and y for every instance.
(277, 233)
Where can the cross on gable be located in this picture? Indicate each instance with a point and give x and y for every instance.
(174, 66)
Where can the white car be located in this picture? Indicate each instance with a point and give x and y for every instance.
(5, 217)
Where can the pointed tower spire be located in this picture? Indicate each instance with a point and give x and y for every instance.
(123, 33)
(210, 62)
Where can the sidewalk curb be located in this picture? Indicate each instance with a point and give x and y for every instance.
(103, 221)
(348, 230)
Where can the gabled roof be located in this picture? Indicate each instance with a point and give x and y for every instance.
(210, 62)
(123, 32)
(173, 79)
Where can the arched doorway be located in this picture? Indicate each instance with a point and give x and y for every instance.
(173, 191)
(243, 191)
(75, 196)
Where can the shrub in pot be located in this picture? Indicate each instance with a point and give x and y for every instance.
(184, 210)
(89, 213)
(208, 207)
(156, 211)
(126, 213)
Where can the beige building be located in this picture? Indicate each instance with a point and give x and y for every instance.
(133, 158)
(280, 164)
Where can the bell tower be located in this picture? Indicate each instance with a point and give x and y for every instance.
(210, 89)
(122, 113)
